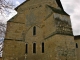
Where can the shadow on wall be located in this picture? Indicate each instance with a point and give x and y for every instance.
(0, 58)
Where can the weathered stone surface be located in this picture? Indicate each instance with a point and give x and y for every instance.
(77, 45)
(52, 27)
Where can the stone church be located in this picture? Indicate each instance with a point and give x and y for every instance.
(40, 31)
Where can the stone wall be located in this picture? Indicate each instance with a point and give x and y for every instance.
(77, 46)
(60, 47)
(53, 28)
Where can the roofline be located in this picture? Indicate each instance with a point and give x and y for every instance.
(76, 37)
(20, 5)
(58, 2)
(60, 5)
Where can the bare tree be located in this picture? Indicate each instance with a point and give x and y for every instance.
(2, 35)
(5, 5)
(2, 29)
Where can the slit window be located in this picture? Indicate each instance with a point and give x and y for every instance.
(26, 48)
(42, 47)
(76, 45)
(34, 30)
(34, 47)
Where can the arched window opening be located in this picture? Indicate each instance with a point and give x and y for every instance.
(42, 47)
(34, 47)
(76, 45)
(26, 48)
(34, 30)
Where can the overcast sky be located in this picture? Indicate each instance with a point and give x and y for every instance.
(72, 7)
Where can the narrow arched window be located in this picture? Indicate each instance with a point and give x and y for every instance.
(76, 45)
(34, 47)
(42, 47)
(34, 30)
(26, 48)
